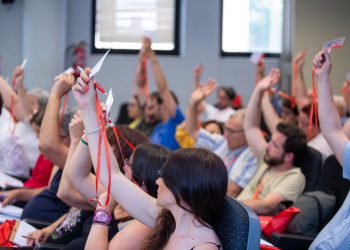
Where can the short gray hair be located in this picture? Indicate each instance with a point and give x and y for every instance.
(67, 117)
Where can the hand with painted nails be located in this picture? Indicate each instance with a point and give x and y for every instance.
(63, 85)
(83, 90)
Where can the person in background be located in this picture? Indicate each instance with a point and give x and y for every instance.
(231, 147)
(277, 179)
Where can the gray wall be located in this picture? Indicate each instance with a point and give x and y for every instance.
(71, 22)
(318, 21)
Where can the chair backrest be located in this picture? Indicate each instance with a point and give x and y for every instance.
(311, 166)
(239, 227)
(332, 181)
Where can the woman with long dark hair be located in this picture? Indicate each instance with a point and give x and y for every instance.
(191, 188)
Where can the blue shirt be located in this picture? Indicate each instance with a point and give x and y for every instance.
(164, 133)
(336, 234)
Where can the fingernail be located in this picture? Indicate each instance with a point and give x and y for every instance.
(86, 88)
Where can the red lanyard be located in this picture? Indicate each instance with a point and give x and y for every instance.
(314, 112)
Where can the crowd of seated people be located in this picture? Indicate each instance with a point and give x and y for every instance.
(159, 180)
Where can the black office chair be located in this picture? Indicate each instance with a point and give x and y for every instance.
(331, 182)
(311, 166)
(239, 227)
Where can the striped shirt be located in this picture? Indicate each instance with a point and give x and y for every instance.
(240, 163)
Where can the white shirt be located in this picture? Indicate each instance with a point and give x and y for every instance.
(211, 112)
(18, 151)
(319, 143)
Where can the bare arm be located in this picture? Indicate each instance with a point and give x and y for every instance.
(7, 93)
(197, 97)
(98, 236)
(299, 90)
(22, 194)
(270, 116)
(252, 131)
(50, 142)
(123, 190)
(141, 78)
(160, 80)
(265, 205)
(67, 191)
(42, 234)
(260, 70)
(329, 118)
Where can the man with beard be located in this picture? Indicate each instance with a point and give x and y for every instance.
(277, 179)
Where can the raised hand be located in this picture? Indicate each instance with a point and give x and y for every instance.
(300, 59)
(76, 127)
(322, 64)
(63, 84)
(197, 73)
(146, 46)
(270, 80)
(84, 90)
(18, 75)
(203, 91)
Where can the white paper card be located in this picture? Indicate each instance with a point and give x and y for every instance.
(70, 70)
(11, 210)
(255, 57)
(98, 65)
(9, 181)
(264, 242)
(335, 43)
(109, 102)
(23, 230)
(24, 63)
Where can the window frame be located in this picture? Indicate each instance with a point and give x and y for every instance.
(238, 54)
(173, 52)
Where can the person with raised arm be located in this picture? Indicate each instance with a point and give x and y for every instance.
(231, 147)
(181, 217)
(277, 179)
(164, 132)
(335, 235)
(299, 90)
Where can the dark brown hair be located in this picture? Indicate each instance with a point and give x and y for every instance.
(198, 180)
(132, 135)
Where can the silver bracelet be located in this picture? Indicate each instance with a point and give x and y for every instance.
(92, 131)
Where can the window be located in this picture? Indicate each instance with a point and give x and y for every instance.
(120, 24)
(251, 26)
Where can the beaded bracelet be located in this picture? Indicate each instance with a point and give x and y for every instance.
(102, 216)
(92, 131)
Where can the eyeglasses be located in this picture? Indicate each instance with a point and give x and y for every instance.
(160, 173)
(233, 131)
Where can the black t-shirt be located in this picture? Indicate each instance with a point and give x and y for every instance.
(46, 206)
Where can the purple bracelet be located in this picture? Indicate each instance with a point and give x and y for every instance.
(102, 216)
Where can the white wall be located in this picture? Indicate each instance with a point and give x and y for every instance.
(53, 24)
(11, 37)
(200, 44)
(318, 21)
